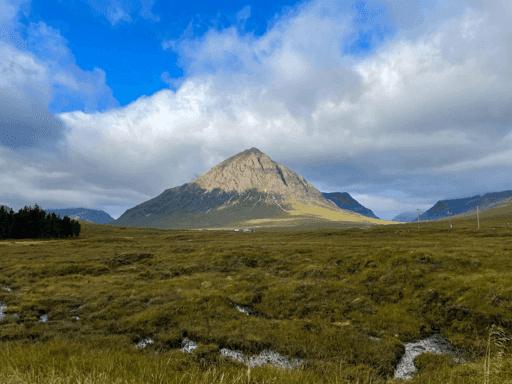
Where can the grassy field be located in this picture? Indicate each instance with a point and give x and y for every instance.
(344, 300)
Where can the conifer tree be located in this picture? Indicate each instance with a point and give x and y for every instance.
(66, 227)
(76, 227)
(32, 224)
(4, 223)
(19, 230)
(10, 225)
(44, 224)
(56, 226)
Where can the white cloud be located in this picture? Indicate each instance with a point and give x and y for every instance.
(117, 11)
(428, 106)
(38, 71)
(10, 8)
(243, 14)
(292, 93)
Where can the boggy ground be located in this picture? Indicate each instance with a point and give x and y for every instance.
(343, 300)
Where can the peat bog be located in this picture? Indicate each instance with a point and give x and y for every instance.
(344, 302)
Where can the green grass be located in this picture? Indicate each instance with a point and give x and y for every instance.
(318, 295)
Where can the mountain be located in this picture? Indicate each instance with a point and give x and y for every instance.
(92, 215)
(466, 205)
(247, 189)
(406, 217)
(345, 201)
(6, 207)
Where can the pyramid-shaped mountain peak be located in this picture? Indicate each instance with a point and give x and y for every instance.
(252, 169)
(250, 151)
(247, 186)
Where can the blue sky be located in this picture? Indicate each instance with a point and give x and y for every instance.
(124, 39)
(106, 103)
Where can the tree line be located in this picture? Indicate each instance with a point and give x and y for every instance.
(35, 223)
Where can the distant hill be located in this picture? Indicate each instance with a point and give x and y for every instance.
(248, 189)
(466, 205)
(345, 201)
(92, 215)
(406, 217)
(6, 207)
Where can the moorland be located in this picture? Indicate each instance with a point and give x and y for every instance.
(345, 300)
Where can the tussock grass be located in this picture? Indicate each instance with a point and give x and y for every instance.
(344, 300)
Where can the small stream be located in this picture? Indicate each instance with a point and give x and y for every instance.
(405, 369)
(265, 357)
(434, 344)
(245, 310)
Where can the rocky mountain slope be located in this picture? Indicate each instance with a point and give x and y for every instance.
(345, 201)
(248, 188)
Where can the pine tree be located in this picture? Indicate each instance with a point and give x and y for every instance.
(56, 226)
(4, 223)
(19, 230)
(32, 225)
(66, 227)
(10, 225)
(76, 227)
(44, 224)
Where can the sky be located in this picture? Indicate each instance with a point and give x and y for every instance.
(104, 104)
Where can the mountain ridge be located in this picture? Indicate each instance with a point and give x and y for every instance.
(85, 214)
(344, 201)
(466, 205)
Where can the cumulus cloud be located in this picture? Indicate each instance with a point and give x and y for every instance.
(423, 114)
(25, 92)
(39, 74)
(415, 107)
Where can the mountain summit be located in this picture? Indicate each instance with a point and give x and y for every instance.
(253, 170)
(247, 188)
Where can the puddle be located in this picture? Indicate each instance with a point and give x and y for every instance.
(144, 343)
(434, 344)
(7, 289)
(3, 307)
(245, 310)
(43, 319)
(188, 345)
(266, 357)
(77, 317)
